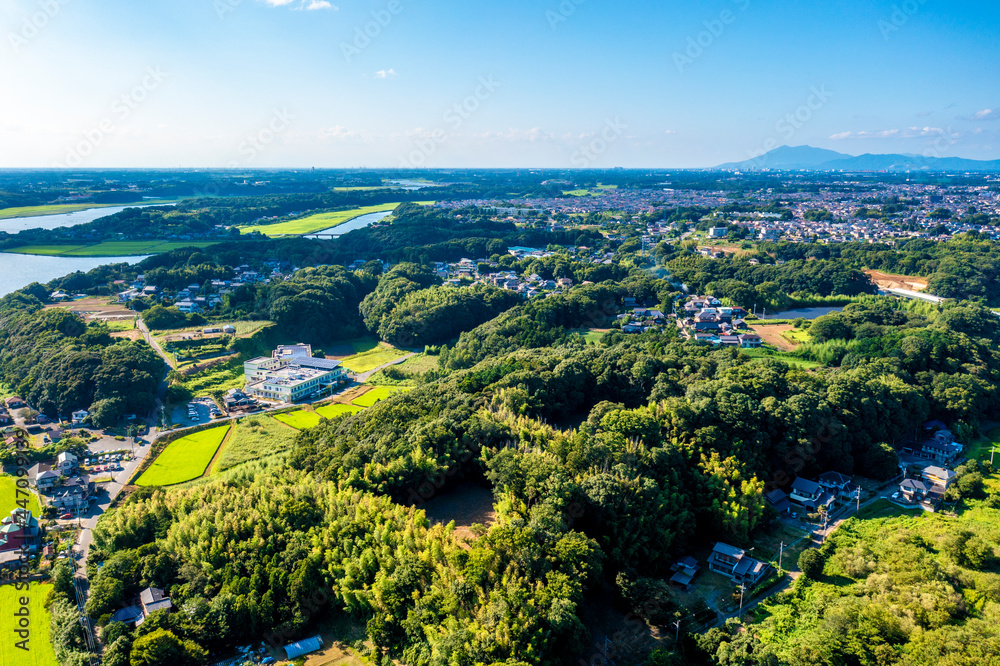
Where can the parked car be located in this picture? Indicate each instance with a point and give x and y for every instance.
(66, 516)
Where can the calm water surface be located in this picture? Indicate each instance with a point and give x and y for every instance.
(20, 270)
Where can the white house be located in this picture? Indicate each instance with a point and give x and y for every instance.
(66, 462)
(80, 416)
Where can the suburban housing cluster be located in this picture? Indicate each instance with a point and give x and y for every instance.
(705, 319)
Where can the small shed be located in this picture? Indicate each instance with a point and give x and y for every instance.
(305, 646)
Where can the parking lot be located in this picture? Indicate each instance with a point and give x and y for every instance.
(202, 409)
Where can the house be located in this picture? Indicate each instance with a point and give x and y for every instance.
(43, 477)
(19, 531)
(15, 402)
(229, 329)
(914, 490)
(75, 495)
(941, 448)
(779, 501)
(730, 340)
(187, 307)
(938, 476)
(810, 494)
(837, 484)
(685, 570)
(153, 599)
(718, 232)
(80, 416)
(749, 341)
(130, 615)
(736, 564)
(67, 463)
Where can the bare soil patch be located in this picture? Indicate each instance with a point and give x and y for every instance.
(772, 336)
(467, 505)
(134, 334)
(890, 281)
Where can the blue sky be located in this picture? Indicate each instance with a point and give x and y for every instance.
(443, 83)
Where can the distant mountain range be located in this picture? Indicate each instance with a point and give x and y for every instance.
(817, 159)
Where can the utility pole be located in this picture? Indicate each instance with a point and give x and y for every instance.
(743, 588)
(677, 634)
(781, 552)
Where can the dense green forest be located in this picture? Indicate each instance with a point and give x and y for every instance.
(606, 462)
(60, 364)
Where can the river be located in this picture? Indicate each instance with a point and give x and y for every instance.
(16, 225)
(20, 270)
(355, 224)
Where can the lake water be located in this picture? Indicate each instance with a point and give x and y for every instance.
(20, 270)
(16, 225)
(355, 224)
(805, 313)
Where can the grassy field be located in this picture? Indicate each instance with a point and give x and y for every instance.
(184, 459)
(415, 365)
(377, 394)
(254, 437)
(790, 359)
(336, 409)
(300, 420)
(797, 336)
(373, 358)
(39, 651)
(885, 509)
(222, 377)
(244, 329)
(9, 497)
(318, 222)
(52, 209)
(108, 249)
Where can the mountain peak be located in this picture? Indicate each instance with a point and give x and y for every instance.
(808, 158)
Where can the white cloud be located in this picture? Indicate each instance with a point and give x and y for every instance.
(986, 114)
(307, 5)
(385, 74)
(905, 133)
(671, 132)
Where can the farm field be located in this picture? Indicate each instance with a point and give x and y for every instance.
(373, 358)
(39, 651)
(243, 329)
(51, 209)
(108, 249)
(377, 394)
(774, 335)
(337, 409)
(318, 222)
(300, 420)
(184, 459)
(9, 497)
(254, 437)
(415, 365)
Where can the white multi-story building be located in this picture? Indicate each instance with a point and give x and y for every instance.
(291, 375)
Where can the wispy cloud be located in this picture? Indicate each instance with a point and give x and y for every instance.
(385, 74)
(986, 114)
(307, 5)
(905, 133)
(671, 132)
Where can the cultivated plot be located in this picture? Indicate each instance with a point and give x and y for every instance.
(184, 459)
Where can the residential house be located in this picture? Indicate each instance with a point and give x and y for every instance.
(750, 341)
(837, 484)
(15, 402)
(19, 531)
(187, 307)
(685, 569)
(914, 490)
(151, 600)
(736, 564)
(778, 500)
(939, 476)
(810, 494)
(80, 416)
(75, 495)
(43, 477)
(67, 463)
(941, 448)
